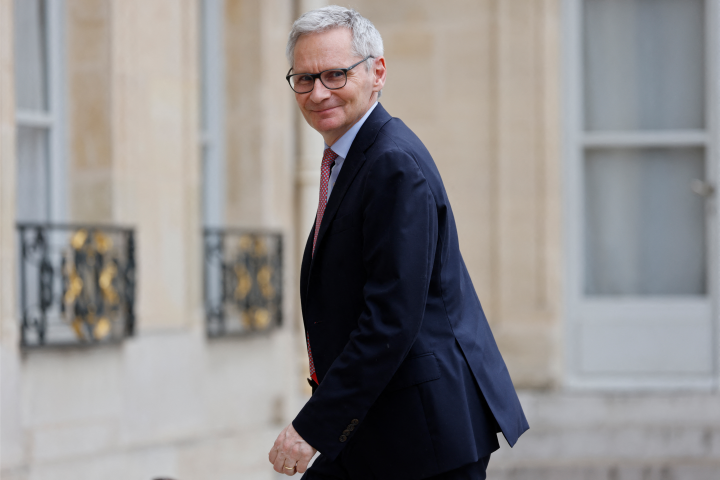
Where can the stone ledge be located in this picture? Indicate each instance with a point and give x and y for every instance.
(599, 469)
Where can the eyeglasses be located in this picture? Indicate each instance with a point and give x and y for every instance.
(332, 79)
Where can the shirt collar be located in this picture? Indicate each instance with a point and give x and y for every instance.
(342, 146)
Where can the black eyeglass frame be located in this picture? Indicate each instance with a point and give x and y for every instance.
(315, 76)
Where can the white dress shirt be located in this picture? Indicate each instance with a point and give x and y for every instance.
(342, 147)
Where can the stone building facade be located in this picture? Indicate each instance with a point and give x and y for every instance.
(171, 118)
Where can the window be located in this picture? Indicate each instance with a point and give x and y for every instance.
(212, 113)
(39, 104)
(642, 161)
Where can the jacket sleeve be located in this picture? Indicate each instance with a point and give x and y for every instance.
(399, 239)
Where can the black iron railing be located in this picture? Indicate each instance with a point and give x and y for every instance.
(77, 284)
(242, 281)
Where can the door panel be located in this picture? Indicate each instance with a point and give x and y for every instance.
(642, 225)
(668, 338)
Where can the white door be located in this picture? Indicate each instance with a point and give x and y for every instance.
(641, 165)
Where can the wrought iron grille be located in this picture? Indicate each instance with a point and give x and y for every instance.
(242, 281)
(77, 284)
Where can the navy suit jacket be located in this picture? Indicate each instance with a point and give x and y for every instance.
(411, 381)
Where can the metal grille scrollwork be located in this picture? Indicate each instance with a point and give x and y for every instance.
(242, 281)
(77, 284)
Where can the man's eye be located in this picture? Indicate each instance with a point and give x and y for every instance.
(336, 74)
(303, 79)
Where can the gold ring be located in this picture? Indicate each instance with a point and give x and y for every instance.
(289, 468)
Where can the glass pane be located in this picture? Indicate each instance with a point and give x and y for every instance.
(644, 64)
(203, 62)
(645, 227)
(33, 172)
(208, 219)
(31, 55)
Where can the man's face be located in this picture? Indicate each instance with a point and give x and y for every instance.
(333, 112)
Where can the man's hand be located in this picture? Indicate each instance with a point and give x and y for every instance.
(290, 454)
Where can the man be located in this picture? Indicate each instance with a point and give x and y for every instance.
(408, 381)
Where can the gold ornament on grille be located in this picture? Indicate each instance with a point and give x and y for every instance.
(103, 243)
(256, 318)
(264, 278)
(75, 285)
(260, 248)
(244, 282)
(245, 243)
(78, 239)
(261, 319)
(77, 325)
(105, 281)
(102, 328)
(100, 246)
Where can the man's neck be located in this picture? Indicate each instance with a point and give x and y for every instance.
(331, 138)
(342, 145)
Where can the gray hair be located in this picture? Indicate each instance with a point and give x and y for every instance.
(366, 40)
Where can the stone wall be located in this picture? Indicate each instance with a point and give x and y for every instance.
(89, 77)
(167, 401)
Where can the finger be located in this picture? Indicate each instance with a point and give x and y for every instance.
(273, 454)
(280, 462)
(302, 464)
(288, 467)
(305, 457)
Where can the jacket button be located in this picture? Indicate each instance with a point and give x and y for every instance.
(351, 427)
(346, 432)
(343, 438)
(355, 421)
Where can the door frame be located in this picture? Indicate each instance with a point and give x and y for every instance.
(573, 144)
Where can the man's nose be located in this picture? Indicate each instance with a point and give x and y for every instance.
(319, 92)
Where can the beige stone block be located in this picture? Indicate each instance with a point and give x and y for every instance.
(399, 12)
(244, 455)
(531, 352)
(162, 383)
(58, 442)
(63, 387)
(15, 474)
(141, 464)
(245, 383)
(13, 438)
(156, 156)
(89, 74)
(259, 118)
(91, 196)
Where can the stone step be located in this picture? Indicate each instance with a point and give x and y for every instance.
(628, 442)
(607, 469)
(614, 436)
(572, 409)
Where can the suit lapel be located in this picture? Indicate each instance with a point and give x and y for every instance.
(355, 159)
(305, 266)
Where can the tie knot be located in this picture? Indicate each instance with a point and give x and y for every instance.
(329, 157)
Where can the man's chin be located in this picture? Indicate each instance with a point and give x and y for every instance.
(326, 125)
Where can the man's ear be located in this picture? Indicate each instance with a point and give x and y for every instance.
(379, 74)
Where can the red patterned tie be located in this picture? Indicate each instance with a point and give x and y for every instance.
(327, 162)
